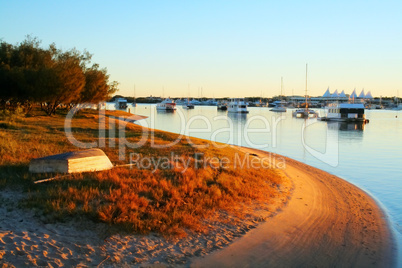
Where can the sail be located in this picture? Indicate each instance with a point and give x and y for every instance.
(326, 94)
(368, 95)
(362, 94)
(353, 95)
(342, 95)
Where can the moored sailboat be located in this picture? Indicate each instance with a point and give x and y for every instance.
(306, 112)
(279, 105)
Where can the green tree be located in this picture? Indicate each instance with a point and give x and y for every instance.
(63, 82)
(97, 87)
(30, 74)
(19, 71)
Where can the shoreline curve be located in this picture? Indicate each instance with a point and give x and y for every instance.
(327, 222)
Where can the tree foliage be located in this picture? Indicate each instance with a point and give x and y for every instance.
(30, 74)
(96, 86)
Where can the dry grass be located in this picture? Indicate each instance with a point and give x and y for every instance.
(170, 200)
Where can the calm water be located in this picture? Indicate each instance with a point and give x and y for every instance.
(369, 157)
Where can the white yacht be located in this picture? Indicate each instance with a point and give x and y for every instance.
(237, 105)
(279, 106)
(166, 105)
(345, 112)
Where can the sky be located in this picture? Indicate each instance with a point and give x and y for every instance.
(224, 48)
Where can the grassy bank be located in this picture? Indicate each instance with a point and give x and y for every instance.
(169, 198)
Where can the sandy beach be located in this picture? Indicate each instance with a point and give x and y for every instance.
(327, 222)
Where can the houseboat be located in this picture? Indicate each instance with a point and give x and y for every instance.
(237, 105)
(345, 112)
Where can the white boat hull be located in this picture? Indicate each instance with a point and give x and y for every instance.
(305, 114)
(279, 109)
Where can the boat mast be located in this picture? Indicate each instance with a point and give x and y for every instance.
(188, 93)
(306, 89)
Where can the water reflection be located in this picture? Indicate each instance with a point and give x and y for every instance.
(345, 126)
(347, 132)
(237, 117)
(165, 111)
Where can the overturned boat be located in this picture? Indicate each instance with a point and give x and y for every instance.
(71, 162)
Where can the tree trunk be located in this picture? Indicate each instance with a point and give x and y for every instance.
(28, 105)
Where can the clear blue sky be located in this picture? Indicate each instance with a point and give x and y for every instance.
(229, 48)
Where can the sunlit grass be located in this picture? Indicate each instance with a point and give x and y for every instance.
(167, 200)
